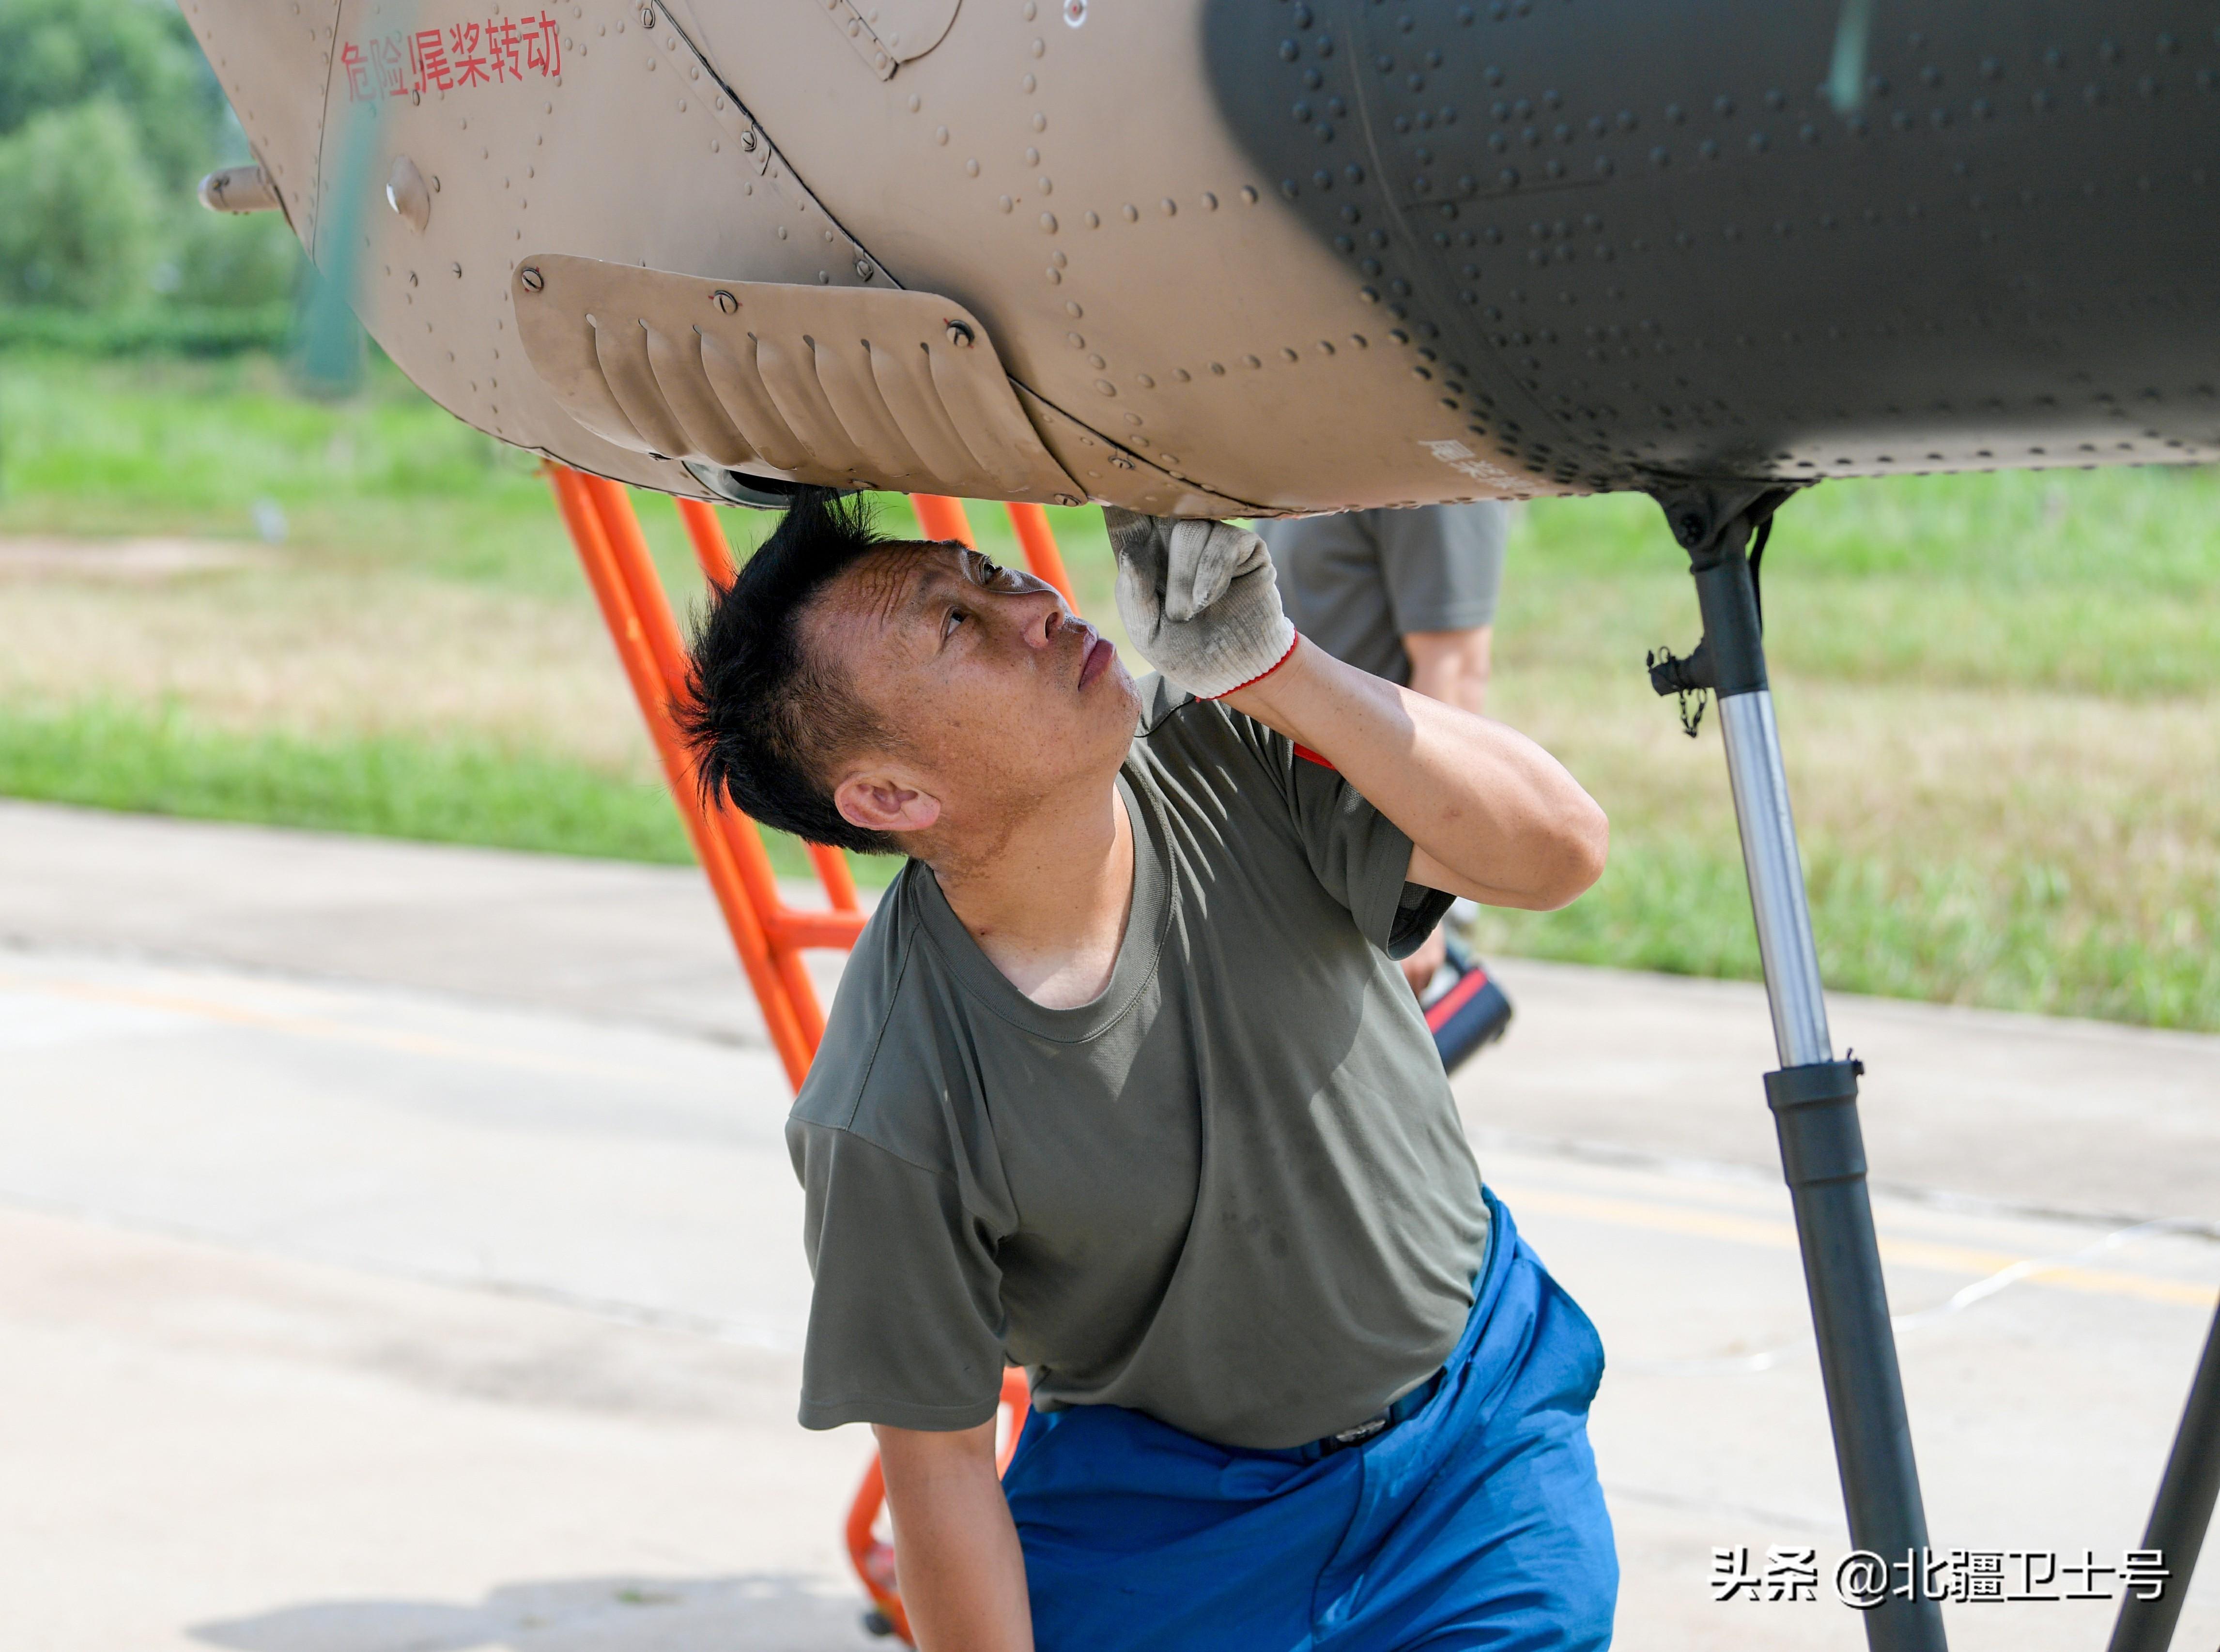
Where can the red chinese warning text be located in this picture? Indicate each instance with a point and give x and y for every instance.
(451, 58)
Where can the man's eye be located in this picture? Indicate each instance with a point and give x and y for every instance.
(956, 617)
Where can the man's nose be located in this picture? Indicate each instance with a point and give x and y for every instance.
(1046, 619)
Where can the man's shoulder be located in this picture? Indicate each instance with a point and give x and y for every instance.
(1215, 773)
(1160, 698)
(884, 1070)
(1328, 534)
(866, 1009)
(1177, 729)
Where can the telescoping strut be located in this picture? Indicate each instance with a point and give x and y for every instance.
(2183, 1510)
(1814, 1097)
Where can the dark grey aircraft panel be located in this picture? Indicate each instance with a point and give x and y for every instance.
(1782, 240)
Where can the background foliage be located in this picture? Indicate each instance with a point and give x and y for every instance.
(109, 116)
(1998, 694)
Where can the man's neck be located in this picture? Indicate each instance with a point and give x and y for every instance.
(1048, 904)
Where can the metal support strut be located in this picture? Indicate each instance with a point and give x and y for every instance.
(2183, 1509)
(1813, 1096)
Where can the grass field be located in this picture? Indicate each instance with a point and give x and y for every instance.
(2000, 696)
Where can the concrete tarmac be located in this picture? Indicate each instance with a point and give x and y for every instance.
(397, 1250)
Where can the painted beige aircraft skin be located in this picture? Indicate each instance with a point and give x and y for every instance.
(1173, 339)
(1227, 256)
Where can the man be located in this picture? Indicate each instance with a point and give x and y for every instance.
(1410, 595)
(1122, 1085)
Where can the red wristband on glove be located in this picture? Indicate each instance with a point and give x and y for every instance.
(1266, 672)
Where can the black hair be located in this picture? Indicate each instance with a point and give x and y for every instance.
(765, 719)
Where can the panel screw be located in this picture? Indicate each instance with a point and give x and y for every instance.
(864, 268)
(748, 141)
(532, 280)
(959, 335)
(725, 300)
(647, 16)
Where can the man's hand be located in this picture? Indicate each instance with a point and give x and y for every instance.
(956, 1559)
(1199, 600)
(1490, 815)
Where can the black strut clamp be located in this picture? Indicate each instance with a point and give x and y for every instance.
(1717, 523)
(1688, 675)
(1815, 1108)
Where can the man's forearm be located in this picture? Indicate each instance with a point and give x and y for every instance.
(1450, 666)
(961, 1575)
(1491, 815)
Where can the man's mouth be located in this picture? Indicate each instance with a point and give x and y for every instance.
(1099, 657)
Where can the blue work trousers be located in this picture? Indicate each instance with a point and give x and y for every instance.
(1475, 1522)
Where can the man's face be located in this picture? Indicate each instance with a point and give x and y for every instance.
(998, 698)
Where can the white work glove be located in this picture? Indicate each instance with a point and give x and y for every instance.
(1199, 600)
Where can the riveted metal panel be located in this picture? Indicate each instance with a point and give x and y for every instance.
(1075, 188)
(1312, 256)
(1640, 239)
(273, 59)
(887, 34)
(569, 140)
(835, 386)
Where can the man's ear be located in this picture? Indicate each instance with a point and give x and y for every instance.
(879, 800)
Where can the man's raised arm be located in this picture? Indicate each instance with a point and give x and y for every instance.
(1489, 813)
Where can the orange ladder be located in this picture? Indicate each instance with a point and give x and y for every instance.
(768, 935)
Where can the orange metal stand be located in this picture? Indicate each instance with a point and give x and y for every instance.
(770, 935)
(716, 560)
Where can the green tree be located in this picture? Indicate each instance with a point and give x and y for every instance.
(108, 115)
(80, 224)
(139, 54)
(221, 260)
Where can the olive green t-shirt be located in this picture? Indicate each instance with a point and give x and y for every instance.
(1232, 1192)
(1358, 582)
